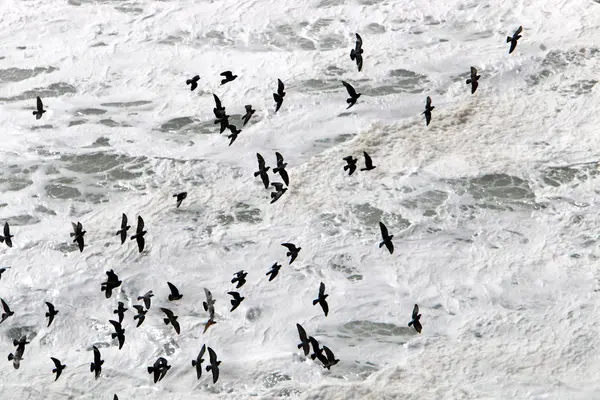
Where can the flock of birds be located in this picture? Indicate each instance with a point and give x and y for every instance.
(161, 366)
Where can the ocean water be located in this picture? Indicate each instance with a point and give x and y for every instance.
(493, 206)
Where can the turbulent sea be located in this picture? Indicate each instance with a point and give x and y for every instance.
(492, 207)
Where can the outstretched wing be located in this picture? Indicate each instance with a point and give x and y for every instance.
(226, 74)
(123, 221)
(321, 289)
(428, 101)
(40, 105)
(384, 231)
(208, 295)
(116, 324)
(359, 42)
(278, 186)
(50, 307)
(168, 312)
(56, 362)
(301, 332)
(213, 356)
(368, 161)
(473, 71)
(280, 87)
(261, 161)
(279, 158)
(415, 312)
(140, 226)
(217, 101)
(173, 289)
(519, 30)
(350, 89)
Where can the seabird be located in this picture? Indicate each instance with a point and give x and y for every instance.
(317, 351)
(146, 298)
(198, 362)
(234, 133)
(120, 311)
(279, 191)
(240, 278)
(368, 163)
(18, 356)
(321, 299)
(473, 80)
(387, 238)
(139, 234)
(219, 110)
(228, 77)
(124, 228)
(249, 112)
(96, 366)
(78, 233)
(224, 121)
(281, 169)
(159, 369)
(209, 306)
(2, 270)
(273, 271)
(175, 295)
(416, 319)
(7, 236)
(119, 333)
(193, 82)
(279, 95)
(352, 93)
(180, 197)
(262, 170)
(112, 282)
(304, 343)
(427, 112)
(40, 109)
(331, 360)
(59, 367)
(214, 365)
(171, 318)
(351, 166)
(7, 312)
(293, 251)
(513, 40)
(141, 315)
(356, 53)
(51, 312)
(236, 301)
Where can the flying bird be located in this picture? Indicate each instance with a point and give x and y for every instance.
(352, 93)
(7, 312)
(224, 121)
(262, 170)
(236, 301)
(331, 360)
(356, 53)
(198, 362)
(124, 228)
(387, 238)
(240, 278)
(473, 81)
(219, 110)
(147, 299)
(119, 333)
(281, 169)
(351, 166)
(279, 95)
(210, 307)
(2, 270)
(234, 133)
(175, 295)
(180, 197)
(18, 356)
(40, 109)
(513, 40)
(273, 271)
(139, 234)
(193, 82)
(96, 366)
(78, 233)
(416, 317)
(112, 282)
(317, 351)
(120, 311)
(321, 299)
(228, 77)
(279, 191)
(141, 315)
(58, 367)
(159, 369)
(7, 236)
(51, 313)
(304, 343)
(368, 163)
(171, 319)
(427, 112)
(249, 112)
(214, 365)
(293, 251)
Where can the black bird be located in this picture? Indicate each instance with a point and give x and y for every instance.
(2, 270)
(427, 112)
(356, 53)
(198, 362)
(159, 369)
(262, 170)
(180, 197)
(279, 191)
(139, 234)
(317, 351)
(59, 367)
(78, 233)
(228, 77)
(119, 333)
(124, 228)
(352, 93)
(224, 121)
(7, 312)
(40, 109)
(321, 299)
(214, 364)
(18, 356)
(234, 133)
(368, 163)
(171, 318)
(331, 360)
(236, 301)
(273, 271)
(513, 40)
(96, 366)
(387, 238)
(209, 305)
(175, 295)
(473, 80)
(279, 95)
(115, 398)
(351, 166)
(416, 319)
(120, 311)
(249, 112)
(51, 313)
(281, 169)
(240, 278)
(304, 343)
(112, 282)
(7, 236)
(193, 82)
(293, 251)
(219, 110)
(141, 315)
(146, 298)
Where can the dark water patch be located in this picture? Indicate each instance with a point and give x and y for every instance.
(126, 104)
(19, 74)
(319, 24)
(375, 28)
(573, 174)
(320, 85)
(578, 88)
(38, 127)
(44, 210)
(253, 314)
(334, 70)
(342, 263)
(17, 332)
(331, 42)
(100, 142)
(90, 111)
(479, 35)
(428, 201)
(368, 329)
(175, 124)
(496, 191)
(245, 213)
(403, 81)
(171, 39)
(130, 10)
(61, 191)
(77, 122)
(53, 90)
(270, 380)
(330, 3)
(108, 122)
(326, 143)
(225, 219)
(97, 162)
(536, 79)
(99, 44)
(23, 219)
(218, 38)
(367, 214)
(13, 183)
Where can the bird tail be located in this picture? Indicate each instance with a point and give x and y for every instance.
(53, 370)
(35, 112)
(300, 346)
(508, 39)
(352, 57)
(257, 173)
(381, 244)
(315, 302)
(348, 101)
(166, 321)
(47, 314)
(194, 363)
(313, 356)
(11, 357)
(410, 323)
(346, 167)
(468, 81)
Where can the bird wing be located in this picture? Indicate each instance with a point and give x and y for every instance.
(359, 42)
(139, 308)
(226, 74)
(261, 161)
(249, 108)
(74, 227)
(301, 332)
(116, 324)
(280, 87)
(415, 312)
(368, 161)
(5, 306)
(56, 362)
(350, 89)
(213, 356)
(40, 105)
(519, 30)
(97, 356)
(359, 62)
(428, 101)
(140, 226)
(278, 185)
(290, 246)
(329, 354)
(279, 157)
(202, 350)
(473, 71)
(50, 307)
(208, 295)
(6, 230)
(321, 289)
(314, 343)
(217, 101)
(168, 312)
(384, 231)
(123, 221)
(174, 290)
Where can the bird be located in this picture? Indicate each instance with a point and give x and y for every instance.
(140, 316)
(193, 82)
(198, 362)
(139, 234)
(240, 278)
(249, 112)
(40, 109)
(224, 121)
(17, 357)
(321, 299)
(352, 93)
(175, 295)
(234, 133)
(78, 233)
(171, 319)
(262, 170)
(387, 238)
(236, 301)
(96, 366)
(119, 333)
(112, 282)
(351, 166)
(120, 311)
(293, 251)
(7, 236)
(58, 367)
(317, 351)
(124, 228)
(281, 169)
(331, 360)
(473, 81)
(416, 317)
(228, 77)
(273, 271)
(180, 197)
(7, 312)
(279, 191)
(219, 110)
(368, 163)
(304, 343)
(51, 312)
(159, 369)
(279, 95)
(147, 299)
(214, 365)
(356, 52)
(513, 40)
(209, 306)
(427, 112)
(2, 270)
(115, 398)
